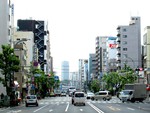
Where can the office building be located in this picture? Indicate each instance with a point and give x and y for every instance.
(111, 54)
(91, 67)
(65, 71)
(41, 37)
(6, 28)
(129, 44)
(146, 55)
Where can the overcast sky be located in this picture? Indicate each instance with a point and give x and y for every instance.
(74, 24)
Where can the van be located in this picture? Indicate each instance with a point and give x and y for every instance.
(102, 95)
(78, 98)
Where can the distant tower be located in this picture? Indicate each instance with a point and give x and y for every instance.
(65, 70)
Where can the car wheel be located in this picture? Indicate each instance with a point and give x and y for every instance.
(37, 104)
(74, 104)
(84, 104)
(92, 98)
(104, 99)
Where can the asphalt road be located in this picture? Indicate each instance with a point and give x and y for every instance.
(63, 105)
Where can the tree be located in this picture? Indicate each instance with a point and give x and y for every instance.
(95, 85)
(119, 79)
(9, 63)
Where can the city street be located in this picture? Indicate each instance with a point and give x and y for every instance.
(63, 105)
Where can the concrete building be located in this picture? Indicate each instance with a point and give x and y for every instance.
(111, 54)
(91, 67)
(65, 70)
(41, 35)
(83, 72)
(101, 56)
(129, 44)
(146, 55)
(6, 27)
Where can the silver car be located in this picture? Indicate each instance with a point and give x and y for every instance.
(102, 95)
(31, 100)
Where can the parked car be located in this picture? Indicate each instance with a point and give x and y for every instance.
(78, 98)
(31, 100)
(102, 95)
(89, 95)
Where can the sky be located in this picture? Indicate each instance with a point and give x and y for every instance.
(74, 24)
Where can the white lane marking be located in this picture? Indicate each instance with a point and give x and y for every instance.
(67, 107)
(50, 110)
(95, 108)
(40, 108)
(130, 108)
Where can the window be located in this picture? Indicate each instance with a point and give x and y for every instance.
(125, 55)
(124, 30)
(124, 42)
(124, 36)
(124, 49)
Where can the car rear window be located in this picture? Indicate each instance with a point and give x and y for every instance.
(79, 95)
(31, 97)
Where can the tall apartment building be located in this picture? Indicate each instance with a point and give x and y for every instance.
(101, 56)
(129, 44)
(111, 54)
(83, 72)
(65, 70)
(146, 55)
(91, 67)
(41, 35)
(6, 27)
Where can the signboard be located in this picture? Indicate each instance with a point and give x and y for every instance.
(112, 45)
(56, 77)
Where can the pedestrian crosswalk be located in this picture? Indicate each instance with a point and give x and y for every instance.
(58, 101)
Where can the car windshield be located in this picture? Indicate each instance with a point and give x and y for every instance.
(126, 92)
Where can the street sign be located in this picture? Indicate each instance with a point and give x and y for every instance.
(56, 77)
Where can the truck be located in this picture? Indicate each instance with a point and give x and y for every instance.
(134, 92)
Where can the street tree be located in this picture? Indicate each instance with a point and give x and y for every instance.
(95, 85)
(9, 63)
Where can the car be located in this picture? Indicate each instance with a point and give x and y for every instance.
(120, 95)
(57, 92)
(89, 95)
(63, 93)
(78, 98)
(31, 100)
(102, 95)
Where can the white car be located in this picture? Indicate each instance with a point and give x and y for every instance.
(31, 100)
(89, 95)
(78, 98)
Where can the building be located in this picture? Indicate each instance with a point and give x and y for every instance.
(41, 35)
(146, 55)
(91, 67)
(65, 71)
(6, 27)
(83, 72)
(129, 44)
(101, 56)
(111, 54)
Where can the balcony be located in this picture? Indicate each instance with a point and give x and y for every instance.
(118, 35)
(118, 28)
